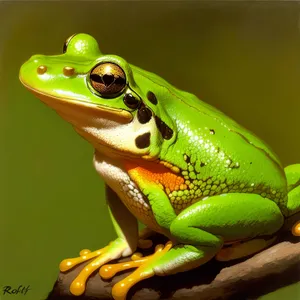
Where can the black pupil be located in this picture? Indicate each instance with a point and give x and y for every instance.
(96, 78)
(108, 79)
(120, 81)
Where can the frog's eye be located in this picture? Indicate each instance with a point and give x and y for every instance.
(67, 42)
(108, 79)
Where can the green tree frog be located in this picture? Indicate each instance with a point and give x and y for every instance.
(176, 164)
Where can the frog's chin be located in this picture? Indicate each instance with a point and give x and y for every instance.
(71, 109)
(109, 130)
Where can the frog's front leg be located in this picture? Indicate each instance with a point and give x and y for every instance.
(201, 230)
(125, 225)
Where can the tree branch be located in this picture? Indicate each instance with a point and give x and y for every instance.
(264, 272)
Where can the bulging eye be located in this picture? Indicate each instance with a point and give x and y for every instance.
(67, 42)
(108, 79)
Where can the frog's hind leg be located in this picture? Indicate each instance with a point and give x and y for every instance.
(201, 230)
(244, 248)
(293, 204)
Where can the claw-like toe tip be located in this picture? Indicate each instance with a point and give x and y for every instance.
(106, 272)
(65, 265)
(84, 252)
(136, 256)
(119, 291)
(159, 247)
(77, 288)
(296, 229)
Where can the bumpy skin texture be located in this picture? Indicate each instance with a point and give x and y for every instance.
(169, 160)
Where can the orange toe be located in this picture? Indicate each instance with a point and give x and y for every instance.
(85, 255)
(296, 229)
(143, 271)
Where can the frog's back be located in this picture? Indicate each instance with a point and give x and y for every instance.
(225, 121)
(190, 106)
(214, 153)
(215, 143)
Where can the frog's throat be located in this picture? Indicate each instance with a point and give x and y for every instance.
(64, 104)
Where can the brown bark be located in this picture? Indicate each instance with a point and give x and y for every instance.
(262, 273)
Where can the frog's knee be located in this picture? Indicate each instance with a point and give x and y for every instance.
(177, 228)
(184, 232)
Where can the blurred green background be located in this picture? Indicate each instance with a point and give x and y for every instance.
(243, 58)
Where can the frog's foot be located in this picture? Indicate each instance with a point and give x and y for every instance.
(144, 234)
(244, 249)
(100, 257)
(144, 270)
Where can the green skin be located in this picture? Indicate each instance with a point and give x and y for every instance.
(236, 188)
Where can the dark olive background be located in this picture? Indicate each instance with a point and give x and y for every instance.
(243, 58)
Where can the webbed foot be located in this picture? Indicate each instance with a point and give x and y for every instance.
(100, 257)
(112, 251)
(144, 270)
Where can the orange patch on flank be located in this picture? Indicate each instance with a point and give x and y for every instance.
(154, 172)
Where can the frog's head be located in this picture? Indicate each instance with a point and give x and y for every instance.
(100, 96)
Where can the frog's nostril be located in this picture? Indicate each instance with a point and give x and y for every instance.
(41, 69)
(68, 71)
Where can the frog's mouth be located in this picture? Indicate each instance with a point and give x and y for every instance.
(113, 132)
(69, 106)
